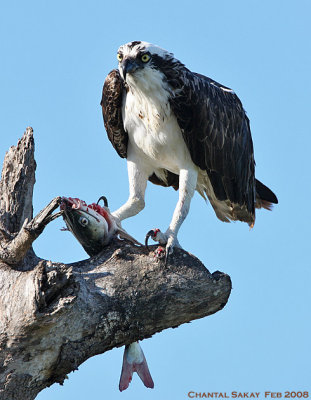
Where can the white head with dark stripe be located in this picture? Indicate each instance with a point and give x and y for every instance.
(140, 60)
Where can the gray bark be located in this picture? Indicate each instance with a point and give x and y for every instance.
(54, 316)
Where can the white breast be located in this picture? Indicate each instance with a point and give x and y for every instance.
(154, 134)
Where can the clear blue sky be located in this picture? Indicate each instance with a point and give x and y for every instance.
(54, 59)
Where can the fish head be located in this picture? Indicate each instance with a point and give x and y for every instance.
(92, 225)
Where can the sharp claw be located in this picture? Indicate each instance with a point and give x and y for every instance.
(166, 258)
(104, 198)
(149, 234)
(168, 251)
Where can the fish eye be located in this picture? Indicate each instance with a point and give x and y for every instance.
(83, 221)
(145, 57)
(119, 57)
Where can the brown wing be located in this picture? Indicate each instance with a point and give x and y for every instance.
(217, 132)
(111, 103)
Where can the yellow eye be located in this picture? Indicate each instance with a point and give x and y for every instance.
(145, 58)
(119, 57)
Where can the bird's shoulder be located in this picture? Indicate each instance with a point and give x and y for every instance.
(188, 86)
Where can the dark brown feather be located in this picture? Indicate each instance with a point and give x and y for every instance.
(112, 112)
(265, 198)
(171, 180)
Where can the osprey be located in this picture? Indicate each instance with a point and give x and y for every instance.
(182, 129)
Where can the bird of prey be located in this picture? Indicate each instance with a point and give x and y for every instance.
(182, 129)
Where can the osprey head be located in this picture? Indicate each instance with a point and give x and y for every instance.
(137, 57)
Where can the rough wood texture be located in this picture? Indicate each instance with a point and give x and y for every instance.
(54, 316)
(16, 185)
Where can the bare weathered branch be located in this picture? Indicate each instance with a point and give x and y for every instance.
(14, 251)
(16, 185)
(72, 312)
(54, 316)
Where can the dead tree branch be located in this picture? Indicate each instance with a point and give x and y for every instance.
(54, 316)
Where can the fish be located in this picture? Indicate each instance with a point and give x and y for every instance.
(91, 224)
(94, 227)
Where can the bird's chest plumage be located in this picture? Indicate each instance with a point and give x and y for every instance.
(153, 130)
(146, 116)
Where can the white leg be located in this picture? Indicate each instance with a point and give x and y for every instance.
(187, 185)
(137, 187)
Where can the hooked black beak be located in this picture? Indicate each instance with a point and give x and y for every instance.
(129, 65)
